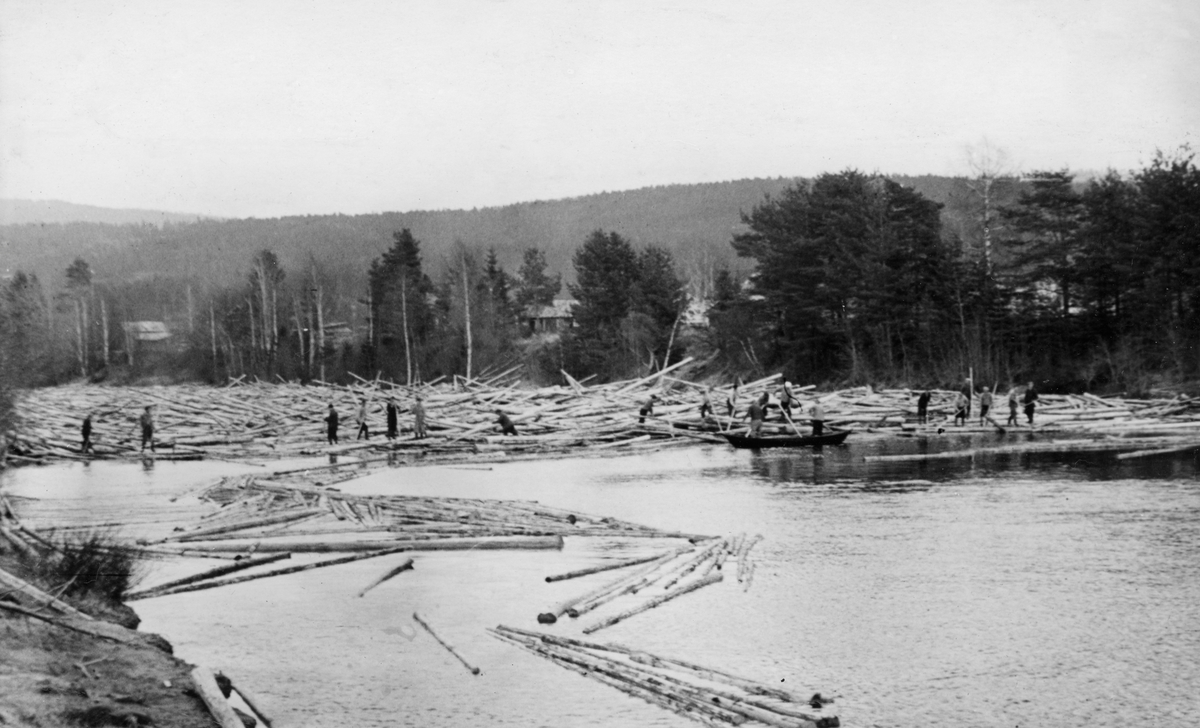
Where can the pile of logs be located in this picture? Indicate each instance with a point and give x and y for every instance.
(259, 421)
(261, 520)
(267, 421)
(706, 695)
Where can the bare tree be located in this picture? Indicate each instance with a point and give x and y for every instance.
(990, 166)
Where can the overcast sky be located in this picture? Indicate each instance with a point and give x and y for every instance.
(265, 108)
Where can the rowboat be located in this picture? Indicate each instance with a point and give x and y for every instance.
(836, 437)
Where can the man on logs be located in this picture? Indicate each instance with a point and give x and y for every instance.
(1014, 400)
(962, 408)
(331, 425)
(361, 418)
(418, 411)
(731, 401)
(87, 434)
(817, 416)
(647, 409)
(147, 422)
(392, 426)
(923, 407)
(506, 425)
(985, 404)
(1031, 398)
(705, 403)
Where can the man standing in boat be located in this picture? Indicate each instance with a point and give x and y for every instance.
(331, 425)
(786, 398)
(147, 422)
(817, 416)
(756, 413)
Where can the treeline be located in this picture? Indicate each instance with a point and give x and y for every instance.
(848, 278)
(856, 279)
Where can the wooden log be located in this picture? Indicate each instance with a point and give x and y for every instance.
(210, 574)
(629, 585)
(567, 606)
(212, 584)
(657, 601)
(256, 704)
(202, 534)
(37, 596)
(206, 686)
(474, 670)
(445, 544)
(408, 564)
(604, 567)
(1161, 451)
(94, 627)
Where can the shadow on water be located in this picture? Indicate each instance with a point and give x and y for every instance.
(845, 468)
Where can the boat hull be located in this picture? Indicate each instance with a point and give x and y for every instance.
(753, 443)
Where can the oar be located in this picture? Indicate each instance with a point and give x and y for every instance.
(788, 417)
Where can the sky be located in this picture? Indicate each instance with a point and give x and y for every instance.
(264, 108)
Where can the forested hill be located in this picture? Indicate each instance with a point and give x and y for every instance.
(17, 212)
(695, 222)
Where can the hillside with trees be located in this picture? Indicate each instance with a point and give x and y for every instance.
(849, 278)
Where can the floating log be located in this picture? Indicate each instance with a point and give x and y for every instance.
(1162, 451)
(604, 567)
(212, 584)
(445, 544)
(474, 670)
(211, 573)
(408, 564)
(708, 695)
(686, 589)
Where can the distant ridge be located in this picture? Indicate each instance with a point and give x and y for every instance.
(21, 212)
(695, 222)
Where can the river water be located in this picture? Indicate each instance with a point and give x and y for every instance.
(1001, 591)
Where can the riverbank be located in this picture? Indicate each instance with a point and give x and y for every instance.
(58, 669)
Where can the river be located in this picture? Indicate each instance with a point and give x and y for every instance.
(1000, 591)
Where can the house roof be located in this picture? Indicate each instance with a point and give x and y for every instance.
(561, 308)
(147, 330)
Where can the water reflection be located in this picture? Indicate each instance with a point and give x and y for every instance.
(994, 590)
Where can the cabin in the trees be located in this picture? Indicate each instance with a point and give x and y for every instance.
(552, 319)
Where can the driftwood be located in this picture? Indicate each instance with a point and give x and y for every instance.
(605, 567)
(474, 670)
(707, 695)
(212, 584)
(445, 544)
(210, 574)
(408, 564)
(206, 686)
(686, 589)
